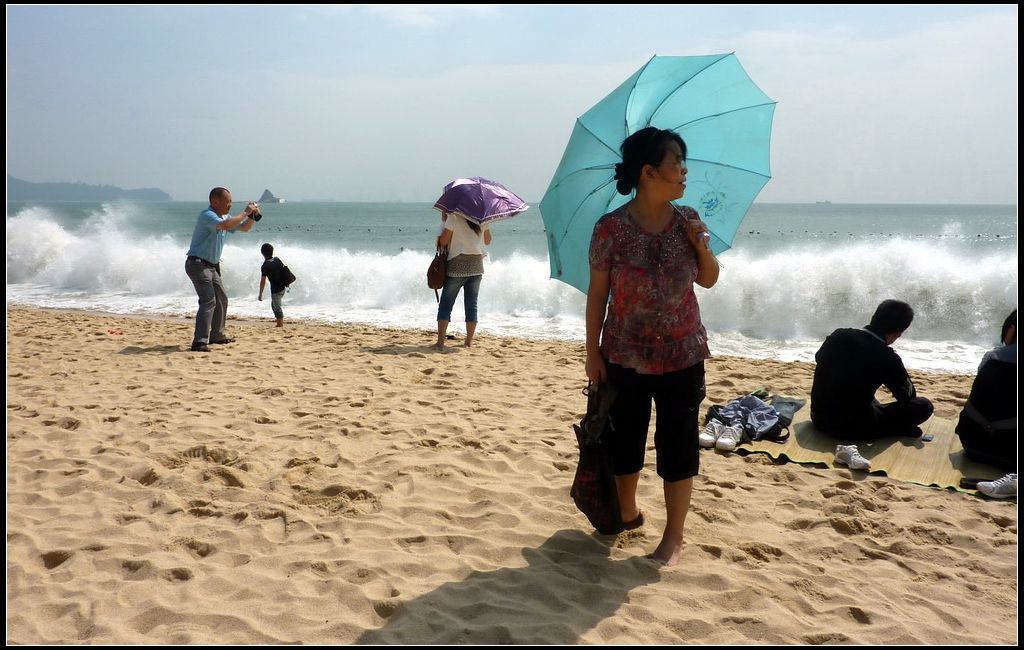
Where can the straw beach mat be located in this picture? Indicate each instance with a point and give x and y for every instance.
(940, 462)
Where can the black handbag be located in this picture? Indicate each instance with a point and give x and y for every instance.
(593, 488)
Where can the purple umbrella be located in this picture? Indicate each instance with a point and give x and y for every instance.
(480, 200)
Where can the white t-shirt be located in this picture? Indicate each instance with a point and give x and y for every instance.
(464, 240)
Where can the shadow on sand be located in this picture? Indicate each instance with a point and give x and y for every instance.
(158, 349)
(570, 585)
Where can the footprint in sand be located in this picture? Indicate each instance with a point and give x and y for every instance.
(177, 574)
(204, 512)
(199, 549)
(69, 424)
(761, 551)
(225, 475)
(860, 615)
(713, 551)
(54, 559)
(297, 462)
(147, 477)
(825, 638)
(386, 608)
(127, 518)
(137, 569)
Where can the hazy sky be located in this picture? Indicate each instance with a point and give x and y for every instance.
(882, 104)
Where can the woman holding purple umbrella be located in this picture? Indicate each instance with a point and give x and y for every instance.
(465, 242)
(646, 256)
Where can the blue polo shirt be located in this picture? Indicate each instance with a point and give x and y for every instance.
(207, 241)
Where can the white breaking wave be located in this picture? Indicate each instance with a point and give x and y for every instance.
(777, 304)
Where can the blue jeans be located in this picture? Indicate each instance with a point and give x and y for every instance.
(451, 292)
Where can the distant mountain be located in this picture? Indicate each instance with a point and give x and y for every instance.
(268, 197)
(19, 190)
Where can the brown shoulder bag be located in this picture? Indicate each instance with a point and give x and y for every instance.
(438, 271)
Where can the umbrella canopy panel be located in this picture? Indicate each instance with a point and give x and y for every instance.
(480, 200)
(711, 102)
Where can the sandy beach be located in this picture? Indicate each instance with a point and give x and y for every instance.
(337, 484)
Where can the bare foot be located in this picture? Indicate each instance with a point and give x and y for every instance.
(437, 346)
(667, 552)
(468, 344)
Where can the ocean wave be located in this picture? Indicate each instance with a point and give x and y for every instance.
(772, 302)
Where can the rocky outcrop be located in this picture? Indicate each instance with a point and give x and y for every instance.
(268, 197)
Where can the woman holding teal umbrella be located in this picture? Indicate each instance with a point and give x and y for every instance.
(648, 340)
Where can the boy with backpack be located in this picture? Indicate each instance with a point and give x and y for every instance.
(280, 277)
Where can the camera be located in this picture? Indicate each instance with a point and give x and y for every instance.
(255, 215)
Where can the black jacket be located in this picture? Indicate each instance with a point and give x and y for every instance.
(852, 365)
(272, 269)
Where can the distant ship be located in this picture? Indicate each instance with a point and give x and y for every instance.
(823, 202)
(268, 197)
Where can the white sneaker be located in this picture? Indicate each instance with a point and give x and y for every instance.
(849, 455)
(732, 435)
(709, 436)
(1002, 488)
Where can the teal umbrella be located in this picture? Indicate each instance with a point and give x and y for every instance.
(710, 101)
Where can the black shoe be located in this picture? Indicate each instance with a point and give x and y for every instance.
(223, 341)
(916, 432)
(199, 347)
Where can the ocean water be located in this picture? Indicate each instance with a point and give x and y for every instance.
(795, 271)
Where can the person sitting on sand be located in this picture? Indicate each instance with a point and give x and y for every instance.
(988, 422)
(851, 365)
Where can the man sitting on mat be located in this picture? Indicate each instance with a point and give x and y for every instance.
(851, 365)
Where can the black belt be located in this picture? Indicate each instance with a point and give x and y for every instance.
(207, 263)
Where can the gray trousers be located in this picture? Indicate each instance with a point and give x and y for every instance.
(213, 302)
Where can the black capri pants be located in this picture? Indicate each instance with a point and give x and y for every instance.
(677, 396)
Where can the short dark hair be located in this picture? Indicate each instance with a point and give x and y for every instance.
(218, 191)
(267, 250)
(645, 147)
(892, 316)
(1011, 321)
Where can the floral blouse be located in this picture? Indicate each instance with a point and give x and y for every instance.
(653, 322)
